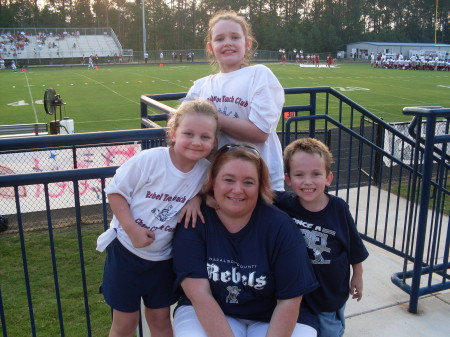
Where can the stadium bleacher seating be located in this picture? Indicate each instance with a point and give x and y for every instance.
(68, 45)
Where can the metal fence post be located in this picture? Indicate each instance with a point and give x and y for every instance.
(378, 161)
(423, 212)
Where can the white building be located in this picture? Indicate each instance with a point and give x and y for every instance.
(362, 50)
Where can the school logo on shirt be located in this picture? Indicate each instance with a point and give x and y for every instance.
(316, 238)
(233, 292)
(165, 197)
(236, 276)
(164, 214)
(225, 112)
(317, 242)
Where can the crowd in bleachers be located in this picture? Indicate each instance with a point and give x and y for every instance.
(415, 62)
(11, 44)
(21, 45)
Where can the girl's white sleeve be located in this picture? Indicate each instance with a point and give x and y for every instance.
(194, 92)
(127, 178)
(267, 102)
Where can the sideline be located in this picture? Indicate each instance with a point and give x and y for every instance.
(302, 65)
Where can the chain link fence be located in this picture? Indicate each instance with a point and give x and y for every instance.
(404, 151)
(61, 195)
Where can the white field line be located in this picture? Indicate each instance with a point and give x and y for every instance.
(31, 98)
(113, 91)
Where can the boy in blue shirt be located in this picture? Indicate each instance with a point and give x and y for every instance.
(329, 230)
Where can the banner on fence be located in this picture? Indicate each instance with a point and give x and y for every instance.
(62, 193)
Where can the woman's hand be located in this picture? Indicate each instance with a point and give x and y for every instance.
(191, 211)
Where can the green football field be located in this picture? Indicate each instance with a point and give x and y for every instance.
(109, 98)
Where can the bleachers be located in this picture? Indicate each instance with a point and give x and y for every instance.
(102, 43)
(23, 130)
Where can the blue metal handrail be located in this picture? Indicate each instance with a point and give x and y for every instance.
(430, 114)
(154, 102)
(55, 141)
(421, 153)
(75, 175)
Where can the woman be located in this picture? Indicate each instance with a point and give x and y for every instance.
(244, 270)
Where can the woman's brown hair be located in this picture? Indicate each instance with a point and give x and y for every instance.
(245, 152)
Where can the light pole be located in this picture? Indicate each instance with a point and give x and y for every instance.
(436, 23)
(144, 33)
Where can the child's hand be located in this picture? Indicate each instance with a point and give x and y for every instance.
(211, 202)
(141, 237)
(191, 211)
(356, 287)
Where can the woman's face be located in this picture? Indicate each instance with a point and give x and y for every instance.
(236, 188)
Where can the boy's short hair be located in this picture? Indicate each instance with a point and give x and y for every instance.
(308, 145)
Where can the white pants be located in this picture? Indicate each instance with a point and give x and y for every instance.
(186, 324)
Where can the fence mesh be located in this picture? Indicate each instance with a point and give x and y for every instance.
(62, 194)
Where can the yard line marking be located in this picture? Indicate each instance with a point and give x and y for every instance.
(32, 100)
(164, 80)
(113, 91)
(351, 88)
(171, 82)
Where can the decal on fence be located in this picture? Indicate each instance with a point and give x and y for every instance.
(61, 194)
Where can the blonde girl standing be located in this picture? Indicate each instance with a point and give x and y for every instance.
(145, 196)
(249, 98)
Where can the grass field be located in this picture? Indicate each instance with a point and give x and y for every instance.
(109, 98)
(42, 283)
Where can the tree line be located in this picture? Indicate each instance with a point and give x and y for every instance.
(310, 25)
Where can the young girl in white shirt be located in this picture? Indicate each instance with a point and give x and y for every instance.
(249, 98)
(145, 196)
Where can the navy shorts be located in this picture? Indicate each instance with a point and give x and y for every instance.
(127, 278)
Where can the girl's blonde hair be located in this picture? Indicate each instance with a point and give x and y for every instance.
(201, 107)
(246, 29)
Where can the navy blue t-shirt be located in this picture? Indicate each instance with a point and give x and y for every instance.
(333, 244)
(248, 270)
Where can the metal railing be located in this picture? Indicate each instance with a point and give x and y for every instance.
(394, 185)
(381, 171)
(429, 183)
(61, 215)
